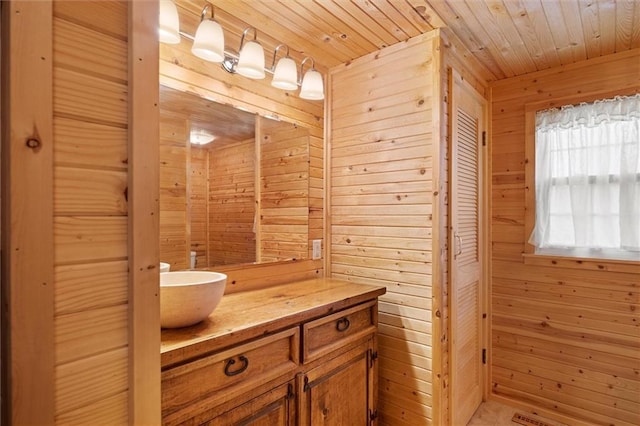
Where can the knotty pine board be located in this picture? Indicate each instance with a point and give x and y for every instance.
(90, 110)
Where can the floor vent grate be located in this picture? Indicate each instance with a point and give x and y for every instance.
(524, 419)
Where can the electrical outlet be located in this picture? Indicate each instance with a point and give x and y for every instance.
(317, 249)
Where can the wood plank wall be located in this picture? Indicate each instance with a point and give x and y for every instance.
(181, 70)
(232, 205)
(566, 336)
(284, 191)
(28, 358)
(199, 204)
(90, 211)
(174, 224)
(388, 214)
(381, 164)
(316, 188)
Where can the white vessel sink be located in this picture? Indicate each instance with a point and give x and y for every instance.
(165, 267)
(188, 297)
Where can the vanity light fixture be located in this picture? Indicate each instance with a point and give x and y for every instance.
(200, 137)
(208, 44)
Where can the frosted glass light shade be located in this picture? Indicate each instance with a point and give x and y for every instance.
(286, 75)
(200, 137)
(312, 86)
(251, 61)
(208, 43)
(169, 26)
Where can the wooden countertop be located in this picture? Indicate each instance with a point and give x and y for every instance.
(246, 315)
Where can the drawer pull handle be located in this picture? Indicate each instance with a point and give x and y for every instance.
(342, 324)
(227, 367)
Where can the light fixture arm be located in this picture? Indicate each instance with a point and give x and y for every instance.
(313, 67)
(203, 14)
(275, 53)
(244, 33)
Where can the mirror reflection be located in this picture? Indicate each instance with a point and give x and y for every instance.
(234, 186)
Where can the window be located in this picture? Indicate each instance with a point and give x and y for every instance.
(587, 179)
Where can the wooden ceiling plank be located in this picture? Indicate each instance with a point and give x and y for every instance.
(390, 10)
(368, 21)
(271, 28)
(337, 29)
(538, 24)
(334, 9)
(624, 24)
(607, 23)
(571, 14)
(412, 15)
(478, 72)
(426, 12)
(224, 121)
(510, 38)
(590, 27)
(283, 24)
(524, 26)
(466, 37)
(469, 18)
(371, 10)
(635, 32)
(558, 31)
(318, 36)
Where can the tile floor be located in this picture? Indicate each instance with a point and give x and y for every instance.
(491, 413)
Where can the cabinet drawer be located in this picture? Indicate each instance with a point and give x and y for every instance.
(327, 334)
(217, 378)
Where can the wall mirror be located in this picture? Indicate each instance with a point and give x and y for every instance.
(234, 186)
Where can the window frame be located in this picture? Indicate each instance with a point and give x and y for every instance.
(561, 256)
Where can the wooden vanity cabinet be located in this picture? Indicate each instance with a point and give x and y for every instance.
(321, 369)
(340, 390)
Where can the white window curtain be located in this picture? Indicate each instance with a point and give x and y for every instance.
(587, 178)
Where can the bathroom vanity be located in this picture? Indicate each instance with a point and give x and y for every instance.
(295, 354)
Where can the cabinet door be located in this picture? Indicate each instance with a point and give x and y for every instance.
(339, 392)
(274, 408)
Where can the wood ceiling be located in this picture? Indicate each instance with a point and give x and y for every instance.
(510, 37)
(226, 123)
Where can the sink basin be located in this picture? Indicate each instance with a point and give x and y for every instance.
(188, 297)
(165, 267)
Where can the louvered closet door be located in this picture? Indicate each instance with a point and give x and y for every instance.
(467, 117)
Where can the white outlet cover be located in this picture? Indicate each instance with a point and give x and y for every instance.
(317, 249)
